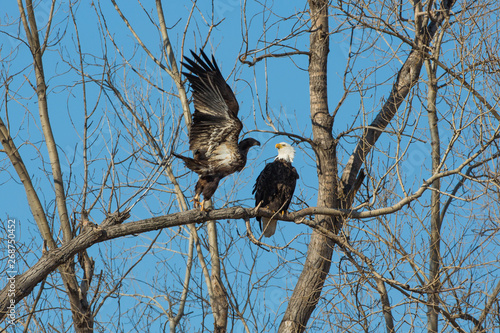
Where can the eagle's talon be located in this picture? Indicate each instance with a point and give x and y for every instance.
(196, 201)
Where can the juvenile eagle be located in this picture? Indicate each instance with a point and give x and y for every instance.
(215, 129)
(275, 186)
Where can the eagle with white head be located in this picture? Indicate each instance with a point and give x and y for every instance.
(275, 185)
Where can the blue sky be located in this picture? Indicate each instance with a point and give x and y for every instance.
(286, 99)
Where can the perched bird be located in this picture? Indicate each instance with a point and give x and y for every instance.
(215, 129)
(275, 186)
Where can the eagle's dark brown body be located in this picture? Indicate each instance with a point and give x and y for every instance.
(275, 186)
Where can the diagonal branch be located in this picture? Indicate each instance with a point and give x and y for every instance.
(31, 30)
(407, 77)
(33, 200)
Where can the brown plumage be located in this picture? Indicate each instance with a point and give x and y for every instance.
(275, 185)
(215, 130)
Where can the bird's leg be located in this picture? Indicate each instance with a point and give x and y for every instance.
(196, 200)
(282, 211)
(202, 205)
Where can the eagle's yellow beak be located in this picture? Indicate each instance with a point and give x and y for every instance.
(279, 145)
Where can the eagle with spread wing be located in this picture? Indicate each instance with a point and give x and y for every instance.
(215, 129)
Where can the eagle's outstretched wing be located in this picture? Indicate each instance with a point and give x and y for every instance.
(216, 127)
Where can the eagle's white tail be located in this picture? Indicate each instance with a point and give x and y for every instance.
(268, 226)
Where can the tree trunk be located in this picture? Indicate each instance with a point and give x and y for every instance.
(219, 302)
(82, 314)
(435, 220)
(317, 265)
(308, 289)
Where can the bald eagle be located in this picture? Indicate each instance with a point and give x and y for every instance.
(275, 186)
(215, 129)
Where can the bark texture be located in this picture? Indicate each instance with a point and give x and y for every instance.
(435, 219)
(308, 289)
(218, 302)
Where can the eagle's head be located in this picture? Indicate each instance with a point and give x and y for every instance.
(285, 152)
(246, 144)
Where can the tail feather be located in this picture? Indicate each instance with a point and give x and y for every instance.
(268, 226)
(192, 164)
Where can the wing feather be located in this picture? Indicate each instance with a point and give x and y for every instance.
(215, 120)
